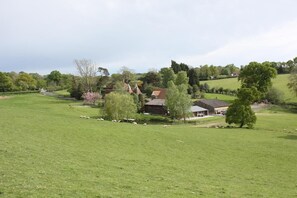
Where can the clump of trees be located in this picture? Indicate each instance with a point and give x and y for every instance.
(255, 83)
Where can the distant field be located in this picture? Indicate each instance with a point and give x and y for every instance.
(225, 98)
(280, 82)
(46, 150)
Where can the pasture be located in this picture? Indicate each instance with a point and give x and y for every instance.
(280, 83)
(47, 150)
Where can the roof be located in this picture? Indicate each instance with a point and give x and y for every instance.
(156, 102)
(137, 90)
(213, 102)
(159, 93)
(128, 88)
(197, 109)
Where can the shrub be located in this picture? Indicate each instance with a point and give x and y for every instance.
(90, 98)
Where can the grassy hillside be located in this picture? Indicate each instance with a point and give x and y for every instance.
(280, 82)
(46, 150)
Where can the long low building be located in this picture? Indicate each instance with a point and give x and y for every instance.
(214, 106)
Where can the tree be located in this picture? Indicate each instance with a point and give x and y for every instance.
(181, 78)
(119, 106)
(153, 78)
(257, 75)
(240, 113)
(178, 101)
(87, 70)
(204, 72)
(175, 66)
(293, 80)
(248, 95)
(55, 77)
(40, 80)
(5, 83)
(167, 75)
(127, 75)
(213, 71)
(76, 90)
(25, 81)
(193, 76)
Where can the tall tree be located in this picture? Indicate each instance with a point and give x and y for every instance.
(257, 75)
(175, 66)
(167, 75)
(193, 74)
(181, 78)
(178, 101)
(87, 70)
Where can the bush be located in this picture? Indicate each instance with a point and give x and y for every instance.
(275, 96)
(90, 98)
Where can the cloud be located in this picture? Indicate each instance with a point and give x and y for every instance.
(279, 44)
(50, 34)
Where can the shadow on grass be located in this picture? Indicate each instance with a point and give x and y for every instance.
(289, 137)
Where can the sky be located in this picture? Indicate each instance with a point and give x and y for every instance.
(42, 36)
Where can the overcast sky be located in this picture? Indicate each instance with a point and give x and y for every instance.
(45, 35)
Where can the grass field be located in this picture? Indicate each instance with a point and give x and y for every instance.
(280, 82)
(226, 98)
(46, 150)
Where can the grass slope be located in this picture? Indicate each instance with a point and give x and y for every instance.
(46, 150)
(280, 82)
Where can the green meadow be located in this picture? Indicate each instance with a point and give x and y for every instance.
(47, 150)
(280, 83)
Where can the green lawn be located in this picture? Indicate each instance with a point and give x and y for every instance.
(280, 82)
(46, 150)
(226, 98)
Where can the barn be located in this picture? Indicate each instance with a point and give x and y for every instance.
(156, 106)
(214, 106)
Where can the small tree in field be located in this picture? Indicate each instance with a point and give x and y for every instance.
(240, 113)
(119, 106)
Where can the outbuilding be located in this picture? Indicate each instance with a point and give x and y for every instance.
(198, 111)
(214, 106)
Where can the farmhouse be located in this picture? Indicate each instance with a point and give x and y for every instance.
(198, 111)
(156, 106)
(214, 106)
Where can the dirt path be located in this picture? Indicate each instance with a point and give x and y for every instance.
(4, 97)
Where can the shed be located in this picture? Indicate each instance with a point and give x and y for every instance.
(198, 111)
(214, 106)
